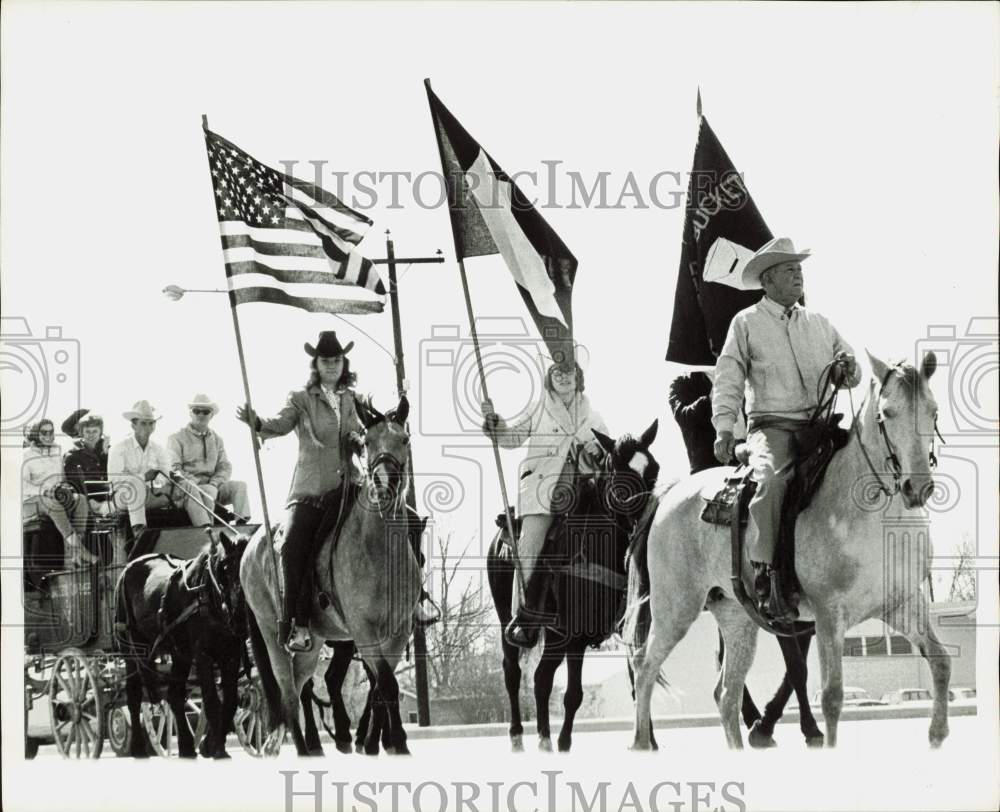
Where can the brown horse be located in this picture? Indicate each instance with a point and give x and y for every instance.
(369, 582)
(849, 569)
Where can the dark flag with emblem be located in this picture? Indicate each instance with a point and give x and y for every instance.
(490, 215)
(722, 230)
(283, 237)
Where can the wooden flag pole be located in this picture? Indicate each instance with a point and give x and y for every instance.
(253, 429)
(496, 448)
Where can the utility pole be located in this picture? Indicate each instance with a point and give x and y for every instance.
(419, 638)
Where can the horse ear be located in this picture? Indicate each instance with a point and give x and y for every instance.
(649, 434)
(227, 544)
(402, 411)
(879, 368)
(213, 541)
(365, 410)
(604, 441)
(928, 365)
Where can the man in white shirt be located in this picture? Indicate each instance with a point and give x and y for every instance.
(775, 353)
(137, 468)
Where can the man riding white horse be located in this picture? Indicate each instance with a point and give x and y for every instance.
(777, 352)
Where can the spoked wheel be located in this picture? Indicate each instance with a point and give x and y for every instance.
(251, 719)
(161, 726)
(119, 727)
(76, 705)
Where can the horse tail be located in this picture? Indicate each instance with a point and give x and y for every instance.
(123, 616)
(637, 619)
(272, 692)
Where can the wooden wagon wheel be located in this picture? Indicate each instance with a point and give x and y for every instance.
(77, 706)
(119, 729)
(161, 726)
(251, 719)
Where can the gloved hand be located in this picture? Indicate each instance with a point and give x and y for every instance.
(724, 445)
(491, 420)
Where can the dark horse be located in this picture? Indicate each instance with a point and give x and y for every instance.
(582, 577)
(194, 612)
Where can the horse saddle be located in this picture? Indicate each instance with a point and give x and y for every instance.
(814, 446)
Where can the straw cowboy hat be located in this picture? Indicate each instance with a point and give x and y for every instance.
(328, 346)
(778, 250)
(201, 401)
(141, 411)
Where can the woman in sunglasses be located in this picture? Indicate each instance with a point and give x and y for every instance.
(555, 428)
(45, 492)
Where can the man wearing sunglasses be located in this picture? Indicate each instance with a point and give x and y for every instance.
(199, 455)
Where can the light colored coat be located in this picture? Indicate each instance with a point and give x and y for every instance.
(322, 462)
(201, 456)
(550, 429)
(42, 469)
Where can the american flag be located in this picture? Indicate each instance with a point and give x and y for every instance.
(292, 232)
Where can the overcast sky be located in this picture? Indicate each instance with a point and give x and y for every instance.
(865, 134)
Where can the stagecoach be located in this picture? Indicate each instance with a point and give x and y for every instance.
(74, 689)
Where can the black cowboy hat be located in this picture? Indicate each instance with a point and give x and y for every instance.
(328, 346)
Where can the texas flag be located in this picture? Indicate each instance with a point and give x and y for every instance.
(490, 215)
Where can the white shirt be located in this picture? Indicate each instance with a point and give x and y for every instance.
(128, 458)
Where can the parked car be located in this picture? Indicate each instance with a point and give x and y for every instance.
(962, 694)
(908, 696)
(853, 698)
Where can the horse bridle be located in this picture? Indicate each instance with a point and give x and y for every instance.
(892, 459)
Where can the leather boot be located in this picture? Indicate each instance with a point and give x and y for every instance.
(777, 608)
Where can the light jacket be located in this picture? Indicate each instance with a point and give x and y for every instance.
(42, 469)
(127, 460)
(776, 361)
(550, 429)
(323, 461)
(201, 456)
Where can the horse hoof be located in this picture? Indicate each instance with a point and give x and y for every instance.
(637, 747)
(344, 747)
(221, 756)
(759, 739)
(359, 748)
(516, 744)
(544, 744)
(564, 744)
(815, 740)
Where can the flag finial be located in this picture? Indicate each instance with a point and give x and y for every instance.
(204, 121)
(699, 101)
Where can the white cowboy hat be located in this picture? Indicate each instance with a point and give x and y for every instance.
(141, 411)
(201, 401)
(778, 250)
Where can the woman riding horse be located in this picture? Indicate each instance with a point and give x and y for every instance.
(558, 424)
(324, 416)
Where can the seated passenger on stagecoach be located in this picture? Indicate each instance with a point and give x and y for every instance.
(45, 492)
(86, 465)
(198, 454)
(137, 469)
(775, 353)
(324, 417)
(554, 427)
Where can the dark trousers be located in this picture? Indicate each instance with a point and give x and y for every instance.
(298, 552)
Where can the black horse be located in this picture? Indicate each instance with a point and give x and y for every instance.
(192, 611)
(581, 574)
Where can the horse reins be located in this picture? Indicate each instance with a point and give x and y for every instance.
(891, 457)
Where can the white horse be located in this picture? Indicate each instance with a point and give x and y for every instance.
(847, 569)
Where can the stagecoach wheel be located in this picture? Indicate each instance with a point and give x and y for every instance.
(77, 706)
(161, 726)
(251, 720)
(119, 728)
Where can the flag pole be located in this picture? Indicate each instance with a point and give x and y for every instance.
(479, 365)
(253, 428)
